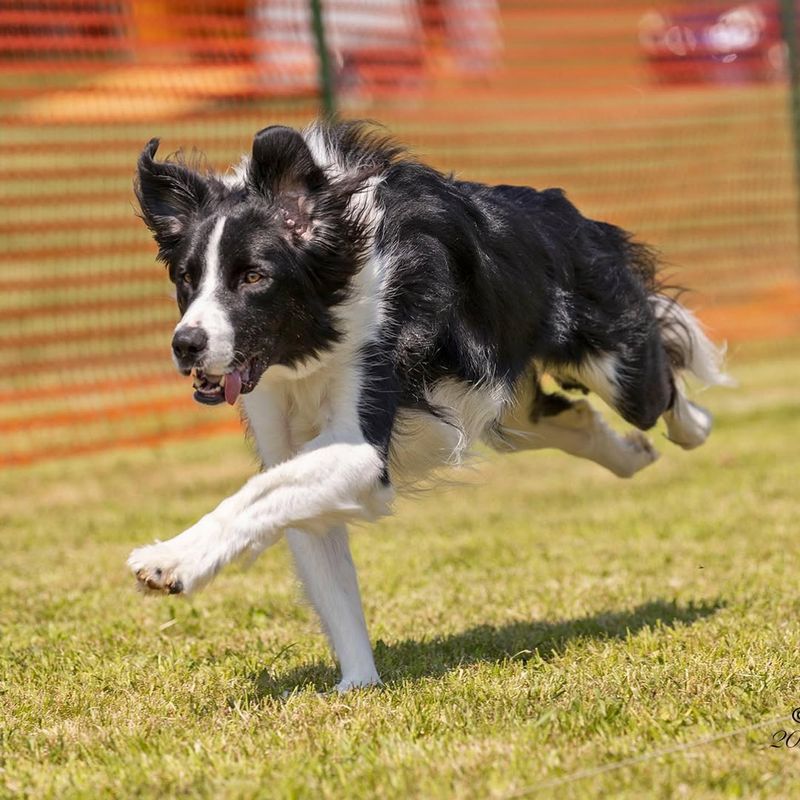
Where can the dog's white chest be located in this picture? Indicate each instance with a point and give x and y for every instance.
(308, 409)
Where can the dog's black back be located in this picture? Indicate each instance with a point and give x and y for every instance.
(491, 278)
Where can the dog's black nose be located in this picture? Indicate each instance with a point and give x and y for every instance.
(189, 343)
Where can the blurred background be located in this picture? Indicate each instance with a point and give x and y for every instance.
(674, 120)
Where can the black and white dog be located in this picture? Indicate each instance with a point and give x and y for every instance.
(378, 318)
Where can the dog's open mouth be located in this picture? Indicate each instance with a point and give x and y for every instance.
(213, 389)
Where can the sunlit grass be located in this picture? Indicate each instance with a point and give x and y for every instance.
(538, 620)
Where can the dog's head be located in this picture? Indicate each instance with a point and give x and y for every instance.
(259, 264)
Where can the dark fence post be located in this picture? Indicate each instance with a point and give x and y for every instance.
(789, 28)
(323, 58)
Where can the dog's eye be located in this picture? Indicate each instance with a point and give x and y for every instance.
(251, 276)
(186, 279)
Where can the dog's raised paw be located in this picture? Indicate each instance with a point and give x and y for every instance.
(158, 582)
(153, 574)
(635, 453)
(640, 443)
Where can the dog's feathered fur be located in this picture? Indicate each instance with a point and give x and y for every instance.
(380, 317)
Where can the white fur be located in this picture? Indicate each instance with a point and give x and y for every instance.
(326, 568)
(580, 431)
(206, 312)
(363, 313)
(597, 373)
(314, 137)
(335, 478)
(237, 177)
(704, 359)
(423, 443)
(688, 425)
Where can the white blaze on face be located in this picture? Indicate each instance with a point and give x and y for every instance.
(206, 311)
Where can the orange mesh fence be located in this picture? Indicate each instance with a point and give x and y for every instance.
(670, 119)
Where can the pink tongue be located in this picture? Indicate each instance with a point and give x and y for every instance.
(233, 386)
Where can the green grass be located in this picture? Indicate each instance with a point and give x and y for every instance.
(541, 619)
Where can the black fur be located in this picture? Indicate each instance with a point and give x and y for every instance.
(484, 280)
(273, 218)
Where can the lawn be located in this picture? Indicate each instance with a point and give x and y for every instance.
(537, 621)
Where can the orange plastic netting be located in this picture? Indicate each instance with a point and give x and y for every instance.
(682, 137)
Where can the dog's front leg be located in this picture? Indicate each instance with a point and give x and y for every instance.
(331, 482)
(186, 562)
(326, 569)
(341, 475)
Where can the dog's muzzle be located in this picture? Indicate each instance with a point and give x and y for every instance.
(214, 389)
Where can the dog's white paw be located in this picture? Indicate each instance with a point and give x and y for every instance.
(688, 425)
(181, 565)
(639, 444)
(636, 453)
(347, 684)
(158, 569)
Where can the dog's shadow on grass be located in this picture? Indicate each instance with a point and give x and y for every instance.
(413, 659)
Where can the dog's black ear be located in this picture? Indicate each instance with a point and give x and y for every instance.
(283, 171)
(170, 194)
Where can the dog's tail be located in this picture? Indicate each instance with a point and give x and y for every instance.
(687, 346)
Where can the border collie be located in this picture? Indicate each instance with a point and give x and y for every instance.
(378, 318)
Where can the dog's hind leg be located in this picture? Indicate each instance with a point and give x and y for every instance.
(646, 383)
(539, 420)
(326, 569)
